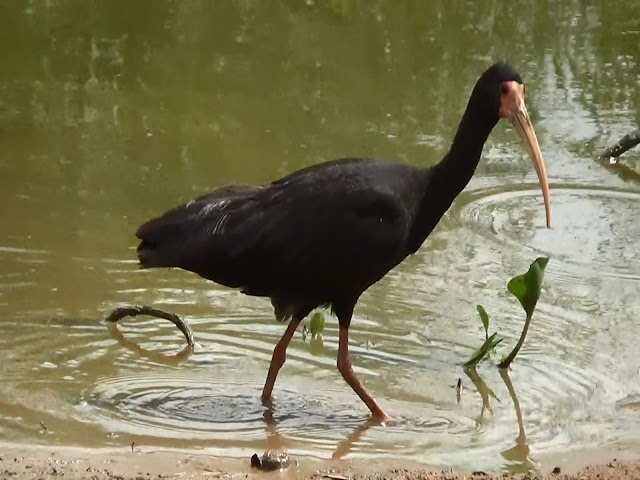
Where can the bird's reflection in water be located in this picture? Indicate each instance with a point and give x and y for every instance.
(518, 455)
(344, 447)
(171, 360)
(275, 444)
(274, 441)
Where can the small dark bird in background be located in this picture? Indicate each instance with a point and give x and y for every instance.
(322, 235)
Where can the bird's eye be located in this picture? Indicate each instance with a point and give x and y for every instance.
(504, 88)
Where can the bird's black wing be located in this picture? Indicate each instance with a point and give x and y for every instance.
(328, 229)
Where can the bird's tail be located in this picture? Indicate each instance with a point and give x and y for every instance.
(161, 239)
(175, 237)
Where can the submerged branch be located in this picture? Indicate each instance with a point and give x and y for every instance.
(134, 311)
(627, 142)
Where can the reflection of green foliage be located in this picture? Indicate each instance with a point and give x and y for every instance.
(315, 329)
(345, 8)
(526, 288)
(306, 66)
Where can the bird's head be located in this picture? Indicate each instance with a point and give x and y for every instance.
(502, 91)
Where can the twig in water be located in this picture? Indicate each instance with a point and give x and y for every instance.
(134, 311)
(333, 476)
(627, 142)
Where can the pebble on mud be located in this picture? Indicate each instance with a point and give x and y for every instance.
(270, 461)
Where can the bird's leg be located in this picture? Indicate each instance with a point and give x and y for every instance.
(344, 366)
(278, 358)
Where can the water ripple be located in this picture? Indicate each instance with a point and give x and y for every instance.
(594, 230)
(187, 407)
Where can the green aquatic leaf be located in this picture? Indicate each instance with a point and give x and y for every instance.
(484, 318)
(487, 347)
(316, 324)
(526, 288)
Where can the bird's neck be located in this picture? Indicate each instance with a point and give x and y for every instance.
(449, 177)
(455, 170)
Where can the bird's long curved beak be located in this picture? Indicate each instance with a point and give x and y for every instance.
(513, 107)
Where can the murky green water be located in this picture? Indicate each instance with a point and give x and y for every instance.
(112, 112)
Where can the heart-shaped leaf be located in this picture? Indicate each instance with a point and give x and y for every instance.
(526, 288)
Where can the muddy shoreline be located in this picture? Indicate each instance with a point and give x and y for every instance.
(108, 464)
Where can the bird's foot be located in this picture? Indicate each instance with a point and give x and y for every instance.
(266, 399)
(379, 415)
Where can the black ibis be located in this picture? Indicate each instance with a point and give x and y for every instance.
(322, 235)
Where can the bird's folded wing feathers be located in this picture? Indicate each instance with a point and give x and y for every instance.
(277, 233)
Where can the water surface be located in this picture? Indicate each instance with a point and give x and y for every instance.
(110, 114)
